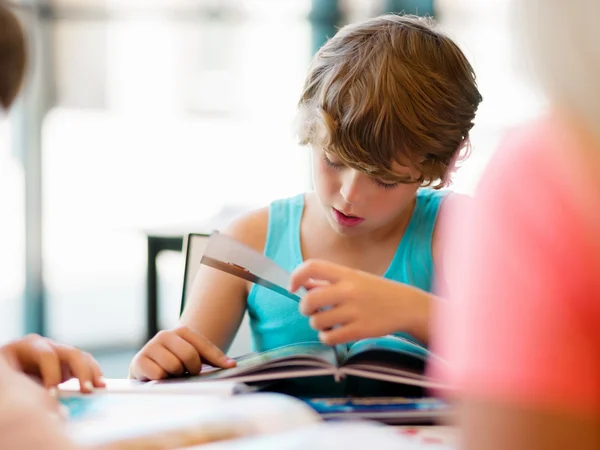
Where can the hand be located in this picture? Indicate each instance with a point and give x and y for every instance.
(53, 363)
(346, 305)
(22, 393)
(175, 352)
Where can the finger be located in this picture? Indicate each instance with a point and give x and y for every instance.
(49, 364)
(49, 402)
(59, 411)
(325, 320)
(316, 269)
(97, 375)
(313, 284)
(66, 373)
(165, 359)
(208, 351)
(184, 351)
(320, 298)
(144, 369)
(9, 357)
(78, 364)
(341, 335)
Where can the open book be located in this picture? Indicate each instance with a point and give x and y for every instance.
(391, 358)
(159, 421)
(123, 417)
(388, 410)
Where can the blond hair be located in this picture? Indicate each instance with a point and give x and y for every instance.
(392, 88)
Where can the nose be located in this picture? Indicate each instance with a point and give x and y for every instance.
(352, 186)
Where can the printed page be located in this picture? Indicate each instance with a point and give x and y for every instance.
(302, 350)
(389, 410)
(184, 386)
(143, 421)
(313, 358)
(390, 358)
(104, 417)
(390, 343)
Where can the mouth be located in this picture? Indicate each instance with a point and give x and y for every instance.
(346, 220)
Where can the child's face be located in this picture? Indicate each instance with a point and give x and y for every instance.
(354, 202)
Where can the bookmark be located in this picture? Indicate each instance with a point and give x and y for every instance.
(230, 256)
(246, 274)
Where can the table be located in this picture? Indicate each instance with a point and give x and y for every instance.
(128, 408)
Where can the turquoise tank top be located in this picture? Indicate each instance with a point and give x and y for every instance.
(275, 319)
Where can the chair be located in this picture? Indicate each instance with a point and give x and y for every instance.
(194, 247)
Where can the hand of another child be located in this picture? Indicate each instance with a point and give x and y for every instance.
(53, 363)
(346, 305)
(175, 352)
(22, 393)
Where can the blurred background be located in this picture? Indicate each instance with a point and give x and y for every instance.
(158, 117)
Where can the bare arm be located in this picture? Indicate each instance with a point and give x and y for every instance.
(521, 333)
(218, 301)
(495, 426)
(210, 319)
(453, 217)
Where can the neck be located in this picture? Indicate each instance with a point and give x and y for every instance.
(392, 231)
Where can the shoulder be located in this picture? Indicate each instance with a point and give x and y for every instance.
(250, 228)
(455, 205)
(452, 219)
(431, 203)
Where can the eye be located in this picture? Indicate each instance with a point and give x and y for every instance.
(330, 163)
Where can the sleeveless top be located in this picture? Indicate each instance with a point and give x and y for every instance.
(275, 320)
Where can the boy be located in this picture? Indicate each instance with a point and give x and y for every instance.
(387, 108)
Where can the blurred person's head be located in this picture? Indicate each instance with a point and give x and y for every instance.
(562, 41)
(387, 107)
(12, 56)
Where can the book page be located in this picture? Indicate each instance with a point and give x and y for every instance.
(228, 255)
(388, 357)
(294, 357)
(389, 410)
(392, 359)
(312, 350)
(390, 343)
(145, 421)
(184, 386)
